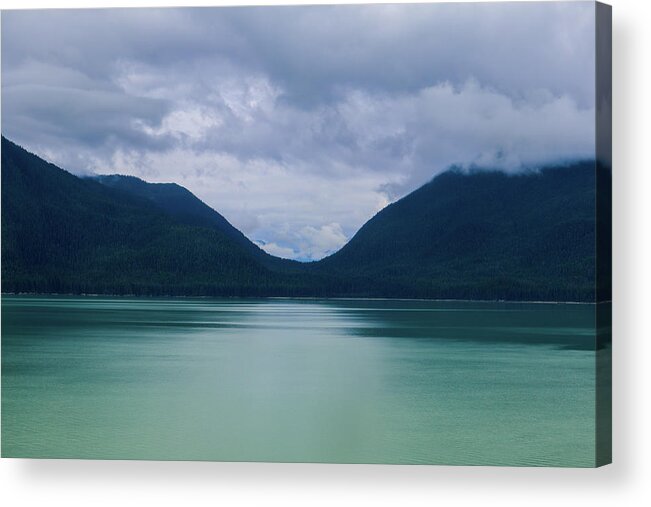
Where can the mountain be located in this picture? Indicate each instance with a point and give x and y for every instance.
(177, 202)
(61, 233)
(465, 235)
(482, 235)
(186, 208)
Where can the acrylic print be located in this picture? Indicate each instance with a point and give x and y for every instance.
(337, 234)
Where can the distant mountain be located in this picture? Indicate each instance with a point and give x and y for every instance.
(482, 235)
(477, 235)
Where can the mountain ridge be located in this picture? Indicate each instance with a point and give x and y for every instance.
(186, 207)
(452, 238)
(519, 229)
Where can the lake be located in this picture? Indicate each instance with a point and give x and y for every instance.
(346, 381)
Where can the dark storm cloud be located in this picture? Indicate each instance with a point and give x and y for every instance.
(299, 123)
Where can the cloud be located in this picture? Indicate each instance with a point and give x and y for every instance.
(277, 250)
(191, 122)
(87, 116)
(318, 242)
(300, 123)
(312, 50)
(312, 243)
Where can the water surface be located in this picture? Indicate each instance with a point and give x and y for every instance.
(298, 380)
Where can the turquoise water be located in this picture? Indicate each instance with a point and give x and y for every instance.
(298, 380)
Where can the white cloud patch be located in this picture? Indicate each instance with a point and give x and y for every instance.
(189, 121)
(318, 242)
(277, 250)
(312, 243)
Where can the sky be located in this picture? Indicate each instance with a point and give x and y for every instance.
(298, 124)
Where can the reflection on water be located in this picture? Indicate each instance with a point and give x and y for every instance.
(298, 380)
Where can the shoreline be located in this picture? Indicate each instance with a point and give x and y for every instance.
(290, 298)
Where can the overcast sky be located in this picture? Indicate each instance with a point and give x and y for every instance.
(298, 124)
